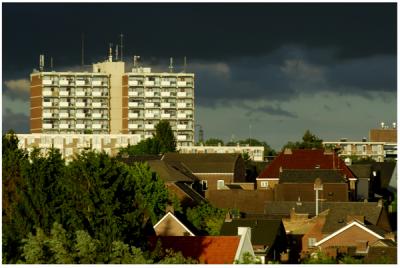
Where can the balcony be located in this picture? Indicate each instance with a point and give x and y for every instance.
(165, 83)
(165, 94)
(96, 104)
(96, 94)
(133, 115)
(80, 93)
(97, 83)
(96, 126)
(181, 105)
(64, 93)
(80, 104)
(80, 82)
(64, 126)
(64, 104)
(149, 105)
(133, 126)
(181, 83)
(181, 115)
(133, 83)
(133, 93)
(165, 105)
(149, 94)
(181, 126)
(47, 82)
(80, 126)
(181, 137)
(47, 126)
(47, 93)
(149, 115)
(80, 115)
(64, 115)
(133, 104)
(47, 115)
(149, 83)
(96, 115)
(64, 82)
(181, 94)
(47, 104)
(165, 115)
(149, 126)
(148, 136)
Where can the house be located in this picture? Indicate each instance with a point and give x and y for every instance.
(383, 251)
(170, 225)
(353, 239)
(298, 184)
(363, 173)
(214, 170)
(209, 249)
(304, 159)
(268, 236)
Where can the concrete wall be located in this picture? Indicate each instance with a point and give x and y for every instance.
(36, 104)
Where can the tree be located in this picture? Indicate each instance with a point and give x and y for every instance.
(319, 258)
(165, 137)
(247, 258)
(206, 218)
(214, 142)
(346, 259)
(309, 141)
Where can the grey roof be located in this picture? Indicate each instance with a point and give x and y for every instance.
(190, 192)
(138, 158)
(370, 210)
(166, 172)
(386, 170)
(309, 176)
(361, 170)
(263, 231)
(204, 163)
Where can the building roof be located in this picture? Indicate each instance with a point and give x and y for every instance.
(385, 170)
(305, 159)
(263, 231)
(130, 160)
(204, 163)
(371, 210)
(384, 243)
(168, 173)
(384, 255)
(361, 170)
(205, 249)
(309, 176)
(174, 218)
(193, 194)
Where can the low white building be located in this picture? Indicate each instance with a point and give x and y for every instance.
(256, 153)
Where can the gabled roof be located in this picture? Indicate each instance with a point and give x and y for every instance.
(385, 170)
(263, 231)
(305, 159)
(381, 255)
(371, 210)
(172, 216)
(205, 249)
(361, 170)
(384, 243)
(166, 172)
(204, 163)
(190, 192)
(341, 230)
(309, 176)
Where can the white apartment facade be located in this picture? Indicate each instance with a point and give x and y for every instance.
(109, 100)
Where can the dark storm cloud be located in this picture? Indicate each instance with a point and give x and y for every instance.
(268, 109)
(15, 121)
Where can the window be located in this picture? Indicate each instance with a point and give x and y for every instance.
(264, 184)
(204, 185)
(311, 242)
(220, 184)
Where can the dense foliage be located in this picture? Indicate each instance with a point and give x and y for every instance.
(93, 210)
(309, 141)
(205, 217)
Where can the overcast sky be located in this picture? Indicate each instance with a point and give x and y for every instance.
(269, 71)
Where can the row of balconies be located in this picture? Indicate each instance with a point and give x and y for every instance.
(161, 83)
(162, 115)
(152, 126)
(134, 104)
(71, 82)
(49, 93)
(77, 126)
(158, 94)
(77, 104)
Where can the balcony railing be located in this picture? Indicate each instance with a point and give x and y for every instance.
(47, 126)
(165, 83)
(64, 115)
(133, 115)
(80, 126)
(64, 104)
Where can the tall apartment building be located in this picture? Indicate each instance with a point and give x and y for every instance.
(109, 100)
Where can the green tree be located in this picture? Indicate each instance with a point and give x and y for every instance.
(213, 142)
(206, 218)
(165, 137)
(247, 258)
(309, 141)
(319, 258)
(346, 259)
(172, 257)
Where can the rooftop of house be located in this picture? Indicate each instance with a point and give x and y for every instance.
(263, 231)
(193, 194)
(205, 249)
(384, 255)
(204, 163)
(168, 173)
(361, 170)
(305, 159)
(310, 175)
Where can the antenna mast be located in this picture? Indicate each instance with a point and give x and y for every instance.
(171, 65)
(110, 52)
(116, 52)
(122, 46)
(51, 63)
(83, 51)
(184, 64)
(41, 62)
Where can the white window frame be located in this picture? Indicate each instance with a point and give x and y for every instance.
(220, 185)
(264, 184)
(311, 242)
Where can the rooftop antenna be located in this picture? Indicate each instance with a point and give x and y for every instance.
(116, 52)
(51, 63)
(83, 51)
(171, 65)
(41, 62)
(110, 52)
(122, 46)
(135, 61)
(184, 64)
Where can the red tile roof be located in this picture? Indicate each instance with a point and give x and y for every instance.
(305, 159)
(205, 249)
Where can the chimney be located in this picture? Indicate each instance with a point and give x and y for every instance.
(228, 217)
(243, 230)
